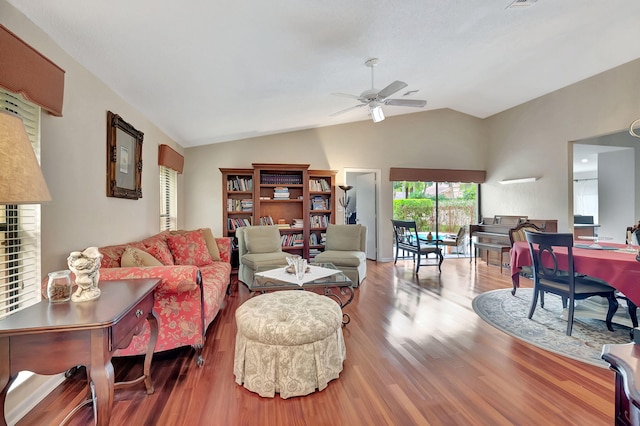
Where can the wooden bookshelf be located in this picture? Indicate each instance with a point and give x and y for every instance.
(237, 205)
(302, 199)
(322, 207)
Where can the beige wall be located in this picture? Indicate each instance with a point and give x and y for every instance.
(528, 140)
(433, 139)
(74, 160)
(532, 140)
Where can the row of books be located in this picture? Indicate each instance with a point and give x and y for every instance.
(244, 205)
(239, 184)
(315, 241)
(319, 221)
(237, 222)
(319, 185)
(280, 179)
(291, 240)
(280, 193)
(320, 203)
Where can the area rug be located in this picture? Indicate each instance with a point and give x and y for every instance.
(547, 329)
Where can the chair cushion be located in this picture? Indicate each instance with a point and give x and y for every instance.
(189, 248)
(342, 258)
(262, 239)
(134, 257)
(254, 260)
(343, 237)
(584, 285)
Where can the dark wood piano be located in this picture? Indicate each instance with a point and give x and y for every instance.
(492, 236)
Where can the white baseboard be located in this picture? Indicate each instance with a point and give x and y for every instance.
(24, 397)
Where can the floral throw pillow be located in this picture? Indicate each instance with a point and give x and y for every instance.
(133, 257)
(158, 249)
(189, 248)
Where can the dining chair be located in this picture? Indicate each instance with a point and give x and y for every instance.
(517, 234)
(548, 276)
(459, 242)
(406, 239)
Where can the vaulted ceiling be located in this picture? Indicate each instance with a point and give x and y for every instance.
(213, 71)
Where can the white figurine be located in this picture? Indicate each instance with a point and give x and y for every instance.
(86, 267)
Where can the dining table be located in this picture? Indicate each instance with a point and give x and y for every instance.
(613, 263)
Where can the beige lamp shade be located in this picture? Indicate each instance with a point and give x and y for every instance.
(21, 180)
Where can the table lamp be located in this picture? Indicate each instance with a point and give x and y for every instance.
(21, 180)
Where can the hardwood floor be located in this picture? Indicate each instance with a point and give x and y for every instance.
(417, 354)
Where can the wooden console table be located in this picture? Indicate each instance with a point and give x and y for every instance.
(624, 361)
(50, 338)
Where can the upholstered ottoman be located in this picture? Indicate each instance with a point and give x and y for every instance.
(288, 342)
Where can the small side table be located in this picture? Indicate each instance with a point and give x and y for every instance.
(50, 338)
(624, 360)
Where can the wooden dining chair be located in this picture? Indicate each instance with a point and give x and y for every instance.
(517, 234)
(549, 277)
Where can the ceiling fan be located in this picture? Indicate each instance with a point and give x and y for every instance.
(374, 98)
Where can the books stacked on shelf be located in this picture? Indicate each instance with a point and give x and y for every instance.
(319, 221)
(246, 204)
(240, 184)
(314, 240)
(280, 193)
(319, 185)
(323, 238)
(292, 240)
(297, 223)
(313, 252)
(320, 203)
(266, 220)
(282, 224)
(237, 222)
(280, 179)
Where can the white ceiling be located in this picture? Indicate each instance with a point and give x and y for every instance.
(219, 70)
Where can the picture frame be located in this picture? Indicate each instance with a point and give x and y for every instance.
(124, 158)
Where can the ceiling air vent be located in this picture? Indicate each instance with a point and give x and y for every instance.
(517, 4)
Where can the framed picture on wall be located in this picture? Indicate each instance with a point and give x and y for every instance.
(124, 158)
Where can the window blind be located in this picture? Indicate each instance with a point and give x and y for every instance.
(168, 199)
(20, 227)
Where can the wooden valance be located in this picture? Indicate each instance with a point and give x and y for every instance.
(170, 158)
(398, 174)
(24, 70)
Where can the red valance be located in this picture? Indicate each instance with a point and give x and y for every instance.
(169, 158)
(24, 70)
(397, 174)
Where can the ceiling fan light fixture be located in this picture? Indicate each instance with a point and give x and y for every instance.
(376, 113)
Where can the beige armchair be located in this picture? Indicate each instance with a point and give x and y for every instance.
(345, 247)
(258, 246)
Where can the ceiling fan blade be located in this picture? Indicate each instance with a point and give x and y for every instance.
(346, 110)
(346, 95)
(406, 102)
(391, 89)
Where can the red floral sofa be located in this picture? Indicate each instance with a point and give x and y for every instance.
(195, 270)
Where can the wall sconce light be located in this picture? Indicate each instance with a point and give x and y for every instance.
(376, 113)
(521, 180)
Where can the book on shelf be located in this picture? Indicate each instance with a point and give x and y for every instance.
(280, 179)
(320, 203)
(280, 192)
(244, 205)
(237, 222)
(297, 223)
(319, 185)
(266, 220)
(240, 184)
(291, 240)
(319, 221)
(282, 224)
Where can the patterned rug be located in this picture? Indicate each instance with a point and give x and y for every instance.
(547, 329)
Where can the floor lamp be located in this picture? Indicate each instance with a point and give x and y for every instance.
(345, 201)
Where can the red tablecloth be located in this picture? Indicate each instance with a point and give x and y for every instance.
(618, 269)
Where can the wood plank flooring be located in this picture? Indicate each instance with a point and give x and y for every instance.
(417, 354)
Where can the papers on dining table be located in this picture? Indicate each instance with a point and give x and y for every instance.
(314, 273)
